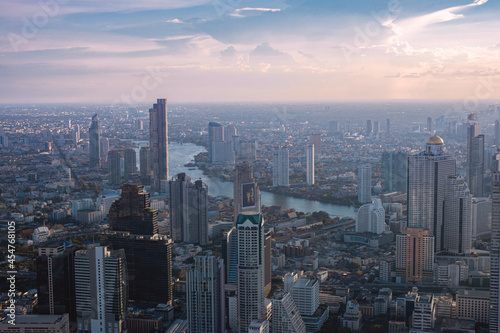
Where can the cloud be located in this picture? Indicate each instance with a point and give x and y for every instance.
(239, 12)
(177, 21)
(264, 53)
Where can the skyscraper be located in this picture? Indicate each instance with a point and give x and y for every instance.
(394, 171)
(246, 192)
(388, 126)
(369, 127)
(215, 134)
(371, 218)
(497, 133)
(130, 163)
(364, 183)
(316, 141)
(104, 145)
(229, 132)
(428, 172)
(205, 295)
(144, 158)
(414, 256)
(430, 128)
(114, 169)
(310, 164)
(475, 156)
(94, 143)
(251, 280)
(285, 317)
(333, 126)
(376, 127)
(281, 173)
(457, 216)
(188, 210)
(158, 144)
(495, 251)
(101, 290)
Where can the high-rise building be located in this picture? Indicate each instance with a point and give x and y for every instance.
(104, 144)
(248, 150)
(365, 183)
(158, 144)
(414, 256)
(376, 127)
(369, 127)
(56, 280)
(94, 143)
(205, 295)
(285, 317)
(310, 164)
(258, 326)
(114, 161)
(316, 141)
(333, 126)
(281, 173)
(144, 158)
(229, 132)
(222, 152)
(457, 216)
(495, 252)
(388, 126)
(428, 172)
(188, 210)
(497, 133)
(430, 128)
(230, 255)
(215, 134)
(424, 313)
(475, 156)
(305, 293)
(394, 171)
(251, 279)
(371, 218)
(130, 163)
(246, 192)
(101, 290)
(481, 217)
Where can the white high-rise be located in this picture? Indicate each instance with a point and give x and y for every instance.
(371, 218)
(365, 183)
(457, 216)
(428, 172)
(251, 277)
(310, 164)
(305, 293)
(285, 317)
(281, 176)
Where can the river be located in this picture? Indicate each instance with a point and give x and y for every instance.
(181, 154)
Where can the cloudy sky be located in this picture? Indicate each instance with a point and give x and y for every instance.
(234, 50)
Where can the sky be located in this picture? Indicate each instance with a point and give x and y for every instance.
(132, 52)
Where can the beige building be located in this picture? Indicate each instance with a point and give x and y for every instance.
(414, 256)
(474, 304)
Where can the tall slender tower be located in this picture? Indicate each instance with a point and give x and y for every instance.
(365, 183)
(215, 134)
(457, 216)
(475, 156)
(114, 175)
(245, 191)
(144, 159)
(310, 164)
(158, 144)
(281, 173)
(428, 172)
(205, 295)
(251, 280)
(394, 168)
(130, 165)
(497, 133)
(94, 143)
(495, 250)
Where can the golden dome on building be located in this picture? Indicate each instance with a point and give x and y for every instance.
(435, 140)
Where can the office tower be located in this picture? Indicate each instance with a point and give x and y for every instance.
(104, 144)
(364, 183)
(188, 210)
(101, 290)
(248, 150)
(428, 172)
(130, 163)
(457, 216)
(414, 256)
(258, 326)
(285, 317)
(144, 158)
(424, 313)
(394, 171)
(497, 133)
(114, 161)
(158, 145)
(305, 293)
(246, 192)
(376, 127)
(132, 212)
(267, 263)
(236, 146)
(205, 295)
(371, 218)
(481, 217)
(475, 156)
(430, 128)
(134, 228)
(215, 134)
(4, 139)
(229, 132)
(94, 143)
(316, 141)
(495, 252)
(310, 165)
(56, 280)
(251, 280)
(76, 135)
(281, 173)
(230, 255)
(369, 127)
(333, 126)
(222, 152)
(388, 126)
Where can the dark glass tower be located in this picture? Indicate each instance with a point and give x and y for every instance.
(94, 143)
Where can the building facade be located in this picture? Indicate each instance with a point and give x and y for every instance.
(281, 172)
(158, 145)
(94, 143)
(365, 183)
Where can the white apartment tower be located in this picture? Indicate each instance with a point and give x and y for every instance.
(305, 293)
(371, 218)
(281, 176)
(285, 317)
